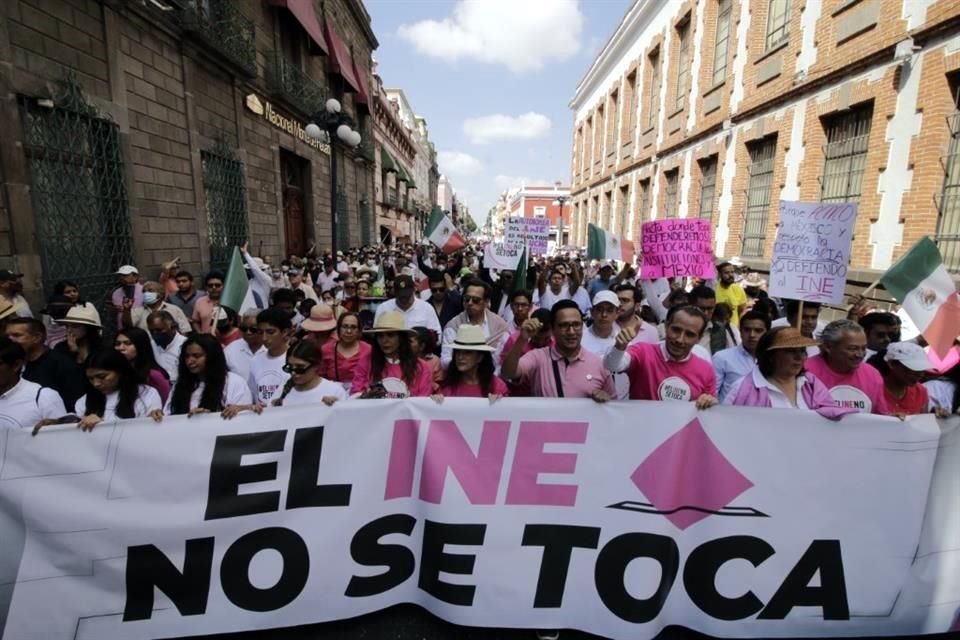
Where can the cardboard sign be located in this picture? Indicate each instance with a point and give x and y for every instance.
(677, 247)
(533, 232)
(812, 250)
(502, 256)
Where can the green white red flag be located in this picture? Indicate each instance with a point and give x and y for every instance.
(603, 245)
(924, 288)
(442, 232)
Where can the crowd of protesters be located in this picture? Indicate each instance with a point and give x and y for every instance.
(409, 321)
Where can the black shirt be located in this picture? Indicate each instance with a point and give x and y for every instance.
(57, 372)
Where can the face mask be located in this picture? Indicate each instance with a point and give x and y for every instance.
(162, 339)
(150, 297)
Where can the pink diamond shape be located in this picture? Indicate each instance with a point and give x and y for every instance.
(688, 470)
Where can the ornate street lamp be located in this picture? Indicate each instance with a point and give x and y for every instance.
(332, 125)
(560, 201)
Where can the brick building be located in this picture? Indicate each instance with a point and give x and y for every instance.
(538, 202)
(140, 131)
(721, 108)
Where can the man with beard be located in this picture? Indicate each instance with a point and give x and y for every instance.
(730, 292)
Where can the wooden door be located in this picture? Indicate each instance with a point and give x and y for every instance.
(294, 204)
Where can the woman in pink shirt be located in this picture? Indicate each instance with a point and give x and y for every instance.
(779, 381)
(392, 370)
(471, 374)
(341, 356)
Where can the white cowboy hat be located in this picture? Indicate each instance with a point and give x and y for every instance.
(470, 338)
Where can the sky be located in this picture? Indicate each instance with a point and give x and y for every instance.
(493, 79)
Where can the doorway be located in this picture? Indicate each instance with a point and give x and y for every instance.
(293, 174)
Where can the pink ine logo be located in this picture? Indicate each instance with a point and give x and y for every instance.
(687, 479)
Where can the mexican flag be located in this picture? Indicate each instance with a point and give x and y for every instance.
(603, 245)
(236, 294)
(441, 232)
(925, 290)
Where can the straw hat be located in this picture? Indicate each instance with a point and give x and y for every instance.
(791, 338)
(470, 338)
(81, 315)
(7, 308)
(321, 318)
(390, 322)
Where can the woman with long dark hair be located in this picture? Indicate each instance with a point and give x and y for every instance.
(135, 345)
(423, 343)
(471, 373)
(84, 333)
(71, 290)
(113, 391)
(392, 370)
(341, 356)
(306, 384)
(204, 385)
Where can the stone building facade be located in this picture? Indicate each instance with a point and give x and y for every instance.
(721, 108)
(138, 132)
(396, 151)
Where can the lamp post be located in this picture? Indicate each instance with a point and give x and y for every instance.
(335, 125)
(560, 201)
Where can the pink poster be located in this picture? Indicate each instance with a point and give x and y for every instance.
(677, 247)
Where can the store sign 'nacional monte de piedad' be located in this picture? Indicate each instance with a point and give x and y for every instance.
(292, 126)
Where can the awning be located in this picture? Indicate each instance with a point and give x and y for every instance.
(303, 11)
(341, 62)
(387, 165)
(362, 99)
(402, 174)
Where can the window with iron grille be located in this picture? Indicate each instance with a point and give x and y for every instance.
(848, 135)
(948, 223)
(721, 45)
(631, 120)
(670, 202)
(683, 64)
(225, 189)
(366, 222)
(614, 124)
(78, 194)
(778, 23)
(599, 133)
(624, 209)
(708, 186)
(343, 219)
(759, 191)
(653, 61)
(644, 208)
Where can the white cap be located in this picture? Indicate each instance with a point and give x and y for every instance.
(909, 354)
(127, 269)
(606, 296)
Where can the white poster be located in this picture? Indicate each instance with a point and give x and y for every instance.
(617, 519)
(812, 250)
(502, 256)
(533, 232)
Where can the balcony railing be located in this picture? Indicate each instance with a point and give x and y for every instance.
(221, 27)
(292, 85)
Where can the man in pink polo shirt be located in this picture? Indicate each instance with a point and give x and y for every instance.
(852, 383)
(563, 370)
(667, 370)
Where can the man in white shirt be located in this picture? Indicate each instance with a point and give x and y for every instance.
(416, 312)
(154, 299)
(328, 279)
(558, 289)
(602, 333)
(267, 376)
(167, 343)
(734, 363)
(295, 277)
(476, 311)
(23, 404)
(239, 353)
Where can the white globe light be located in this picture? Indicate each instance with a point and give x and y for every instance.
(314, 131)
(356, 139)
(333, 105)
(343, 132)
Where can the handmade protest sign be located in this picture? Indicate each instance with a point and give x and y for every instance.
(534, 232)
(812, 250)
(502, 256)
(676, 247)
(525, 513)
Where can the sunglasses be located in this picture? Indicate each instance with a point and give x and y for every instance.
(249, 329)
(296, 370)
(437, 290)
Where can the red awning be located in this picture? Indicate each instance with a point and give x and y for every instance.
(303, 11)
(362, 99)
(341, 61)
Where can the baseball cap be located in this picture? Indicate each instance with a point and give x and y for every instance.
(606, 296)
(606, 264)
(402, 285)
(909, 354)
(127, 270)
(7, 274)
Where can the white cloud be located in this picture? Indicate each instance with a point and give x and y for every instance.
(508, 182)
(522, 35)
(458, 163)
(498, 127)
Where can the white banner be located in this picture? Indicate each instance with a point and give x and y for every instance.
(532, 232)
(501, 256)
(812, 250)
(617, 519)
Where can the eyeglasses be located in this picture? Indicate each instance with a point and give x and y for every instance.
(570, 326)
(473, 299)
(296, 370)
(437, 290)
(250, 329)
